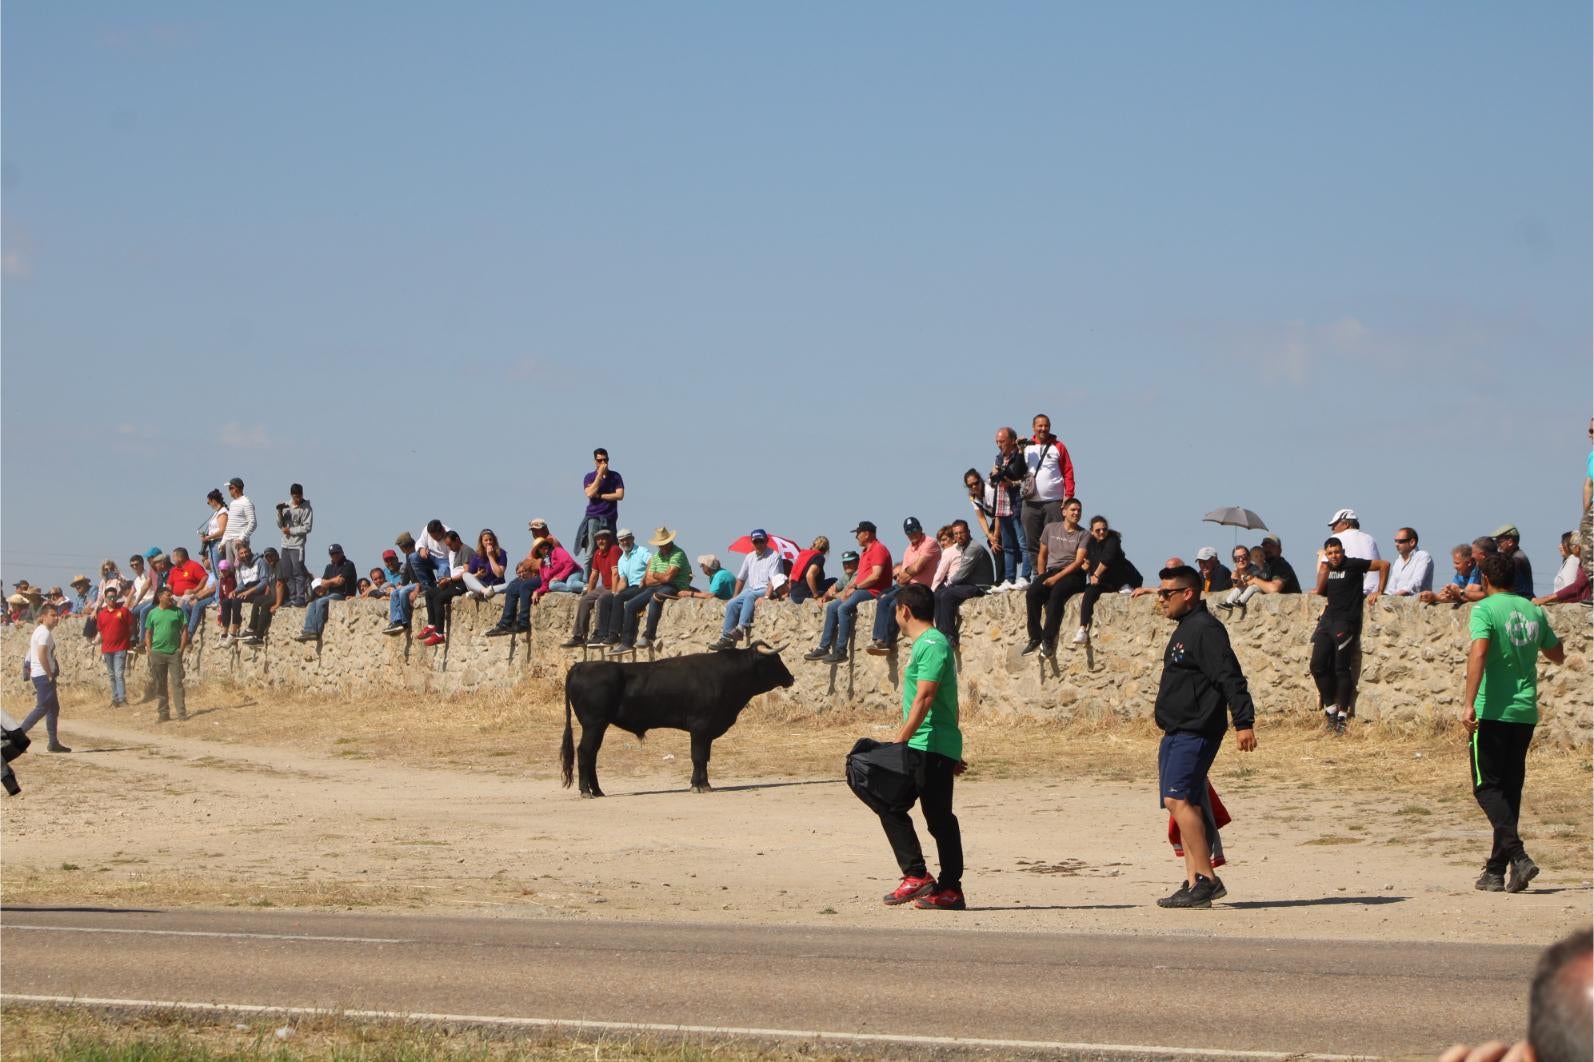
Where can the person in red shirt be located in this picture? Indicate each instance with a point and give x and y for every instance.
(874, 576)
(192, 585)
(601, 578)
(115, 624)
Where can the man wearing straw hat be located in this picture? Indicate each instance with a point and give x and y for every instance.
(669, 572)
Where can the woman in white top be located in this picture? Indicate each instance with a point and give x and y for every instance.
(216, 527)
(1567, 574)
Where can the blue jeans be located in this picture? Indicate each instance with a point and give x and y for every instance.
(587, 537)
(46, 706)
(575, 584)
(398, 604)
(196, 615)
(315, 616)
(739, 609)
(648, 598)
(1014, 559)
(116, 667)
(839, 617)
(885, 616)
(138, 619)
(517, 601)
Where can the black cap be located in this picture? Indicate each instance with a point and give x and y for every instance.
(236, 482)
(864, 525)
(850, 557)
(911, 526)
(334, 548)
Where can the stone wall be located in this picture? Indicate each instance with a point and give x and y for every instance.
(1413, 670)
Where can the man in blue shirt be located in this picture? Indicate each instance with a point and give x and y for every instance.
(631, 570)
(1464, 585)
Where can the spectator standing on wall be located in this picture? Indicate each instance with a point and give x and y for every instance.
(1048, 480)
(296, 518)
(1006, 480)
(1411, 572)
(604, 488)
(1509, 633)
(240, 520)
(214, 529)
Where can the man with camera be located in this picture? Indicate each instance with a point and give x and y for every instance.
(295, 517)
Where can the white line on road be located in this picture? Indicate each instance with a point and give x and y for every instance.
(203, 933)
(677, 1030)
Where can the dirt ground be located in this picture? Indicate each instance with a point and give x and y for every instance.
(455, 804)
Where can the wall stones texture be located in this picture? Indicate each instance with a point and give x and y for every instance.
(1413, 662)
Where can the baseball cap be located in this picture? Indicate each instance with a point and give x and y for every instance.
(236, 482)
(1505, 531)
(1273, 539)
(604, 532)
(388, 554)
(539, 524)
(911, 526)
(758, 534)
(624, 532)
(1206, 553)
(850, 557)
(334, 548)
(1342, 514)
(865, 525)
(405, 540)
(270, 553)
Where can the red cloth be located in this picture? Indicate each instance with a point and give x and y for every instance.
(116, 628)
(875, 553)
(1219, 813)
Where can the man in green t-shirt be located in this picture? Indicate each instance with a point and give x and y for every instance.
(668, 573)
(934, 756)
(1508, 634)
(166, 637)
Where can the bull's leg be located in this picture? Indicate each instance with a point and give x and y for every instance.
(701, 744)
(587, 758)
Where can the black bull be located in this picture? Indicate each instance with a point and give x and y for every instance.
(701, 694)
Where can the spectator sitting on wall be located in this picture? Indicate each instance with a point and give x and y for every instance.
(1509, 542)
(401, 602)
(1142, 591)
(265, 596)
(918, 565)
(486, 572)
(1107, 571)
(1571, 581)
(1060, 574)
(669, 572)
(1214, 576)
(1275, 575)
(808, 572)
(721, 583)
(338, 581)
(630, 572)
(973, 575)
(755, 580)
(602, 578)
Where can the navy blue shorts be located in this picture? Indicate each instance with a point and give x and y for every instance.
(1183, 760)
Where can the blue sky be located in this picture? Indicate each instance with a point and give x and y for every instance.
(792, 266)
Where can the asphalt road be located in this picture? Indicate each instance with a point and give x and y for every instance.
(1073, 994)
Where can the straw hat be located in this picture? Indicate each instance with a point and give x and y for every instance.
(662, 536)
(80, 580)
(16, 599)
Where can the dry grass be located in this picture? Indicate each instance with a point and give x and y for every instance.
(84, 1034)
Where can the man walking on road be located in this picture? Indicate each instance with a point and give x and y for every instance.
(1200, 675)
(934, 755)
(1508, 634)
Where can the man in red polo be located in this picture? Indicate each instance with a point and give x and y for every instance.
(874, 576)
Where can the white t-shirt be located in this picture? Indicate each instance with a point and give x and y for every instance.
(1047, 464)
(1359, 543)
(434, 547)
(240, 519)
(757, 572)
(41, 651)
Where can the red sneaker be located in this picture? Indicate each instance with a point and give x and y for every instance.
(432, 639)
(910, 889)
(942, 900)
(426, 632)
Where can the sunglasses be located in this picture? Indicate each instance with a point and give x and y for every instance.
(1163, 595)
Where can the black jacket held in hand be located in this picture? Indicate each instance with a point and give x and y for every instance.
(1200, 675)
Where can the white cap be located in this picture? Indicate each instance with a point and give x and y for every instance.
(1206, 553)
(1343, 514)
(624, 532)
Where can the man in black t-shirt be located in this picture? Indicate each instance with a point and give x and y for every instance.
(1276, 575)
(1337, 642)
(337, 582)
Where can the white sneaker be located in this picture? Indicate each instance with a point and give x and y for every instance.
(1021, 583)
(1002, 587)
(1081, 636)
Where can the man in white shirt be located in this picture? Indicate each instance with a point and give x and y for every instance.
(1046, 459)
(1356, 542)
(240, 520)
(753, 581)
(1412, 572)
(42, 670)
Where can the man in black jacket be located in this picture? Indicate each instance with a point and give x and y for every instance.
(1200, 675)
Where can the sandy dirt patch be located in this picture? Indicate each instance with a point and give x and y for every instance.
(457, 805)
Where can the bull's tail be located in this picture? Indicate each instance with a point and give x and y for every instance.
(567, 748)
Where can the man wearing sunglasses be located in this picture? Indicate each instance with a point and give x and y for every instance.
(1412, 572)
(1200, 676)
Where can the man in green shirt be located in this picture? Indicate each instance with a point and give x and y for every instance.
(166, 636)
(668, 573)
(1508, 634)
(934, 756)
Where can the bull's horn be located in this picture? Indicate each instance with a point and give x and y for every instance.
(755, 645)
